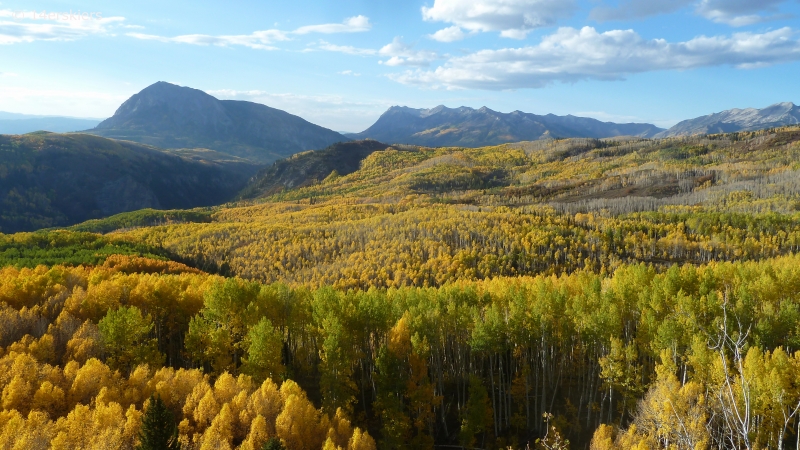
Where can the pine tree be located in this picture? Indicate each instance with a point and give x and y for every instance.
(273, 444)
(158, 428)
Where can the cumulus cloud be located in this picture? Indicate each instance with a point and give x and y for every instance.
(739, 13)
(571, 55)
(262, 40)
(512, 18)
(402, 54)
(22, 27)
(449, 34)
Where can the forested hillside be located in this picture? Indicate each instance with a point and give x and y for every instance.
(603, 294)
(49, 180)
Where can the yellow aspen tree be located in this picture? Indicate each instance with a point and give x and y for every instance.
(88, 382)
(341, 430)
(298, 425)
(84, 345)
(266, 402)
(207, 408)
(258, 434)
(329, 445)
(361, 440)
(50, 399)
(17, 395)
(219, 435)
(12, 424)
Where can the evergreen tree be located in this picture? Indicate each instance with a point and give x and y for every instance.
(273, 444)
(158, 428)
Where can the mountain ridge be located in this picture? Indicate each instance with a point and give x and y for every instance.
(49, 179)
(170, 116)
(468, 127)
(733, 120)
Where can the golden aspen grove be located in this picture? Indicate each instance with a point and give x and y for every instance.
(577, 293)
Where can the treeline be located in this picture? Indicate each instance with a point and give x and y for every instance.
(472, 363)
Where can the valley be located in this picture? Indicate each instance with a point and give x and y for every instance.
(395, 295)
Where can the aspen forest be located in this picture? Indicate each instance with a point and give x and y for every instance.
(557, 294)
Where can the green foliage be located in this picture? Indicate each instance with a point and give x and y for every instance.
(66, 247)
(126, 337)
(264, 352)
(477, 416)
(142, 218)
(273, 444)
(158, 431)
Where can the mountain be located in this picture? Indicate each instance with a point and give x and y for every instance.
(170, 116)
(13, 123)
(467, 127)
(49, 179)
(750, 119)
(304, 169)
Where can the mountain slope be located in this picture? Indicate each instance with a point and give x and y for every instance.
(170, 116)
(732, 120)
(52, 124)
(467, 127)
(306, 168)
(51, 179)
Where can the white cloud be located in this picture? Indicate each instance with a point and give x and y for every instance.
(355, 24)
(571, 55)
(402, 54)
(330, 111)
(732, 12)
(350, 73)
(348, 49)
(262, 40)
(637, 9)
(449, 34)
(512, 18)
(23, 28)
(397, 53)
(739, 13)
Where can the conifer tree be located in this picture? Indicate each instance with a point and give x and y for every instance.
(158, 428)
(273, 444)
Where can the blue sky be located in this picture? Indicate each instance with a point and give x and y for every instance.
(341, 64)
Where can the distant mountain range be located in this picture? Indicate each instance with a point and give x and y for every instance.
(468, 127)
(12, 123)
(49, 180)
(170, 116)
(732, 120)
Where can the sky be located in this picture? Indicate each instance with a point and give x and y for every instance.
(341, 64)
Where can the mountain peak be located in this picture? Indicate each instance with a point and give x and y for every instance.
(171, 116)
(732, 120)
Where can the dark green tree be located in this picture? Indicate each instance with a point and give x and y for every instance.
(273, 444)
(159, 431)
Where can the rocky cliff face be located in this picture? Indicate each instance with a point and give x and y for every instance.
(732, 120)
